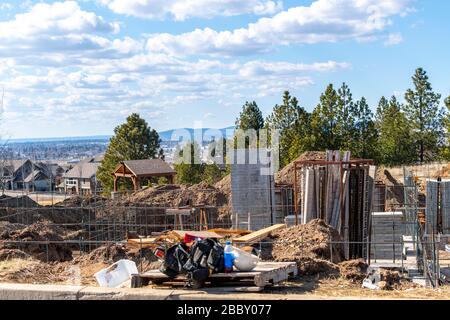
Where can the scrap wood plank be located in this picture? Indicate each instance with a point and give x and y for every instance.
(200, 234)
(226, 232)
(258, 235)
(143, 242)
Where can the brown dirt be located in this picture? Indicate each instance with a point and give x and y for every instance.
(353, 270)
(85, 201)
(394, 280)
(308, 245)
(180, 195)
(286, 175)
(32, 241)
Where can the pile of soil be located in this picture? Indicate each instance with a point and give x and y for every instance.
(180, 195)
(6, 226)
(395, 191)
(308, 245)
(37, 273)
(286, 175)
(31, 240)
(82, 201)
(354, 270)
(9, 254)
(394, 280)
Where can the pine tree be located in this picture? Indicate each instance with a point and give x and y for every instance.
(133, 140)
(325, 121)
(446, 148)
(188, 163)
(346, 118)
(293, 123)
(425, 116)
(395, 144)
(250, 117)
(365, 137)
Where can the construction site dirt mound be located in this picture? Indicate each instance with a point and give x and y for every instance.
(35, 272)
(395, 191)
(6, 226)
(394, 280)
(175, 196)
(315, 239)
(33, 241)
(313, 246)
(82, 201)
(9, 254)
(353, 270)
(286, 175)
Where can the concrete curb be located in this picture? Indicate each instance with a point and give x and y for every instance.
(14, 291)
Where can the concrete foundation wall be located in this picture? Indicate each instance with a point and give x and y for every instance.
(253, 193)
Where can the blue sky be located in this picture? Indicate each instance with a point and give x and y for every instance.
(74, 68)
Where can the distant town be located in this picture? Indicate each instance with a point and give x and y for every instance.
(66, 165)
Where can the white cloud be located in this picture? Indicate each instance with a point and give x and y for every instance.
(322, 21)
(5, 6)
(261, 68)
(393, 39)
(184, 9)
(60, 27)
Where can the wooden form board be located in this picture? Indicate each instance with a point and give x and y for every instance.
(258, 235)
(200, 234)
(230, 232)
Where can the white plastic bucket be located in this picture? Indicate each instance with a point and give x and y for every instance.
(116, 274)
(244, 261)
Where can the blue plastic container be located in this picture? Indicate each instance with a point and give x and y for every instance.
(228, 257)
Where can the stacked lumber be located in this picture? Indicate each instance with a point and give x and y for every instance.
(341, 194)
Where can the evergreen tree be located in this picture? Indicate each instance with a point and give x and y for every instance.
(347, 112)
(395, 144)
(133, 140)
(293, 124)
(211, 173)
(446, 149)
(250, 117)
(188, 163)
(365, 137)
(325, 121)
(425, 116)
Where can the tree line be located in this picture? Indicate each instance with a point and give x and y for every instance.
(415, 131)
(397, 133)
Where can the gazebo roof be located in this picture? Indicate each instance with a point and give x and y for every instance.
(147, 167)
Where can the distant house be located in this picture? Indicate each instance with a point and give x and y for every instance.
(140, 170)
(81, 179)
(29, 176)
(14, 172)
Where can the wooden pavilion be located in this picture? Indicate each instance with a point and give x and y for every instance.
(136, 170)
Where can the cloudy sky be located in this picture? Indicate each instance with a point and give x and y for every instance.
(78, 68)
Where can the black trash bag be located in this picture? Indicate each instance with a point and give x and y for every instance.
(174, 260)
(216, 260)
(206, 258)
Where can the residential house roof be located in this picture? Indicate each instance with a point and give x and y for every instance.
(84, 169)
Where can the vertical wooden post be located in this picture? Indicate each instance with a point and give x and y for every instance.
(116, 185)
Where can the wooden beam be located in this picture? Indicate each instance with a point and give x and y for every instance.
(258, 235)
